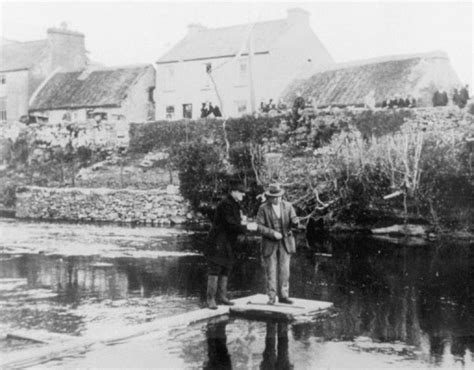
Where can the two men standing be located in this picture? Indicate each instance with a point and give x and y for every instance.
(275, 220)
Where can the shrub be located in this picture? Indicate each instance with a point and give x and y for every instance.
(201, 174)
(9, 195)
(427, 158)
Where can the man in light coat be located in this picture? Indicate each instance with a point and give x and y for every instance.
(275, 219)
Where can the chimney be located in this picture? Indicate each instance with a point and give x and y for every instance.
(67, 47)
(195, 28)
(298, 16)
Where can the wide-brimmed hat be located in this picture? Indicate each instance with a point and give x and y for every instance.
(274, 190)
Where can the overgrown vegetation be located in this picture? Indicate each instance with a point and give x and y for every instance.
(338, 165)
(39, 158)
(426, 165)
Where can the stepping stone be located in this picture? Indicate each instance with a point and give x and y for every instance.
(256, 307)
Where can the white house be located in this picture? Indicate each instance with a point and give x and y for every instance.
(236, 67)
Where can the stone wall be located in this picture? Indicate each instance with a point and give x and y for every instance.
(159, 207)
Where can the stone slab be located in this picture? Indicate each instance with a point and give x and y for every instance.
(256, 307)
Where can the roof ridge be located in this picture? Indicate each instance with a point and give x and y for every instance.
(224, 41)
(108, 68)
(241, 25)
(382, 59)
(17, 43)
(122, 66)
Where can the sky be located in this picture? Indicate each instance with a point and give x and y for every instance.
(130, 32)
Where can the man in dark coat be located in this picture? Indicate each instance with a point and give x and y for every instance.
(217, 111)
(298, 106)
(464, 96)
(456, 98)
(227, 225)
(393, 103)
(275, 220)
(436, 99)
(443, 98)
(204, 111)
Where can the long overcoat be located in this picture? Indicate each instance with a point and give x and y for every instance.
(266, 221)
(222, 239)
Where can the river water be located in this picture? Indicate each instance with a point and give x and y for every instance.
(396, 306)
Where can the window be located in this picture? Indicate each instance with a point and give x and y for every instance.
(205, 76)
(151, 90)
(3, 85)
(3, 109)
(117, 117)
(242, 73)
(168, 78)
(187, 111)
(67, 117)
(241, 106)
(96, 115)
(170, 112)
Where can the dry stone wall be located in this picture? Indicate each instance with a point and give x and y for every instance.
(159, 207)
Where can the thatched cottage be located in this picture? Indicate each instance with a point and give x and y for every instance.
(113, 94)
(214, 65)
(354, 84)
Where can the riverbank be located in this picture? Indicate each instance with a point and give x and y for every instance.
(358, 168)
(150, 207)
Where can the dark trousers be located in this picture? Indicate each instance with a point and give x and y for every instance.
(216, 269)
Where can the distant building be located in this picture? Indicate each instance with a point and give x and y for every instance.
(25, 65)
(112, 94)
(280, 51)
(353, 84)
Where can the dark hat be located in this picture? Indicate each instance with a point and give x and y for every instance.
(236, 185)
(274, 190)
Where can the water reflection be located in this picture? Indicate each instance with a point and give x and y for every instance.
(276, 354)
(218, 354)
(415, 302)
(419, 296)
(74, 278)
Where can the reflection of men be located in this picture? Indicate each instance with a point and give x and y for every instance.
(279, 358)
(227, 225)
(275, 218)
(218, 353)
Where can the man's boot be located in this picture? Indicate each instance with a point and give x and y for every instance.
(222, 292)
(211, 291)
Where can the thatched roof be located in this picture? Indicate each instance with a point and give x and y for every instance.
(225, 41)
(106, 87)
(15, 56)
(382, 78)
